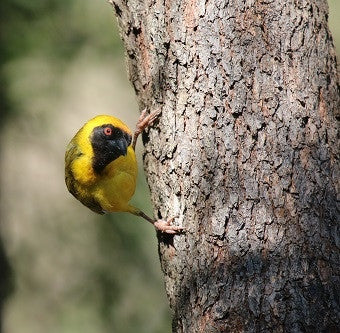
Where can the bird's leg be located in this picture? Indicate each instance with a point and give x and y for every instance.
(144, 121)
(164, 226)
(161, 225)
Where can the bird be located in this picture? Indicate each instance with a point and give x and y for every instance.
(101, 167)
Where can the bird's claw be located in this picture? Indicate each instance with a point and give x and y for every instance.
(166, 227)
(146, 120)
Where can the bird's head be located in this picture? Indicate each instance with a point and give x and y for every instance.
(109, 141)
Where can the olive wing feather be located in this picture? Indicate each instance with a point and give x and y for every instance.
(73, 152)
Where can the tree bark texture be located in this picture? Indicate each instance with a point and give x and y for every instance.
(245, 154)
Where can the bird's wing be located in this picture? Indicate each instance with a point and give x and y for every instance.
(73, 152)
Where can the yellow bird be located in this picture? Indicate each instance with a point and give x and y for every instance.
(101, 167)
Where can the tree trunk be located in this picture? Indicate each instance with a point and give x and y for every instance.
(245, 153)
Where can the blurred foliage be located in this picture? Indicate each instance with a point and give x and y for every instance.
(55, 29)
(62, 62)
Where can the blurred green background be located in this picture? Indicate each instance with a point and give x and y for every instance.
(62, 62)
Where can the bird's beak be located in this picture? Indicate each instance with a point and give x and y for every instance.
(122, 146)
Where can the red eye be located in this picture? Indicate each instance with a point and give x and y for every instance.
(107, 131)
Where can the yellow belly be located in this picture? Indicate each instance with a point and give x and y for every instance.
(115, 187)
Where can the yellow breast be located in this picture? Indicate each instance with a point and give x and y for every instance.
(115, 187)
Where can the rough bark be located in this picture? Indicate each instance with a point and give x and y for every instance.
(245, 153)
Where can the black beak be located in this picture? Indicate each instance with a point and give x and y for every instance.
(122, 146)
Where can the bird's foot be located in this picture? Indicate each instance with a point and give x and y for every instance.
(146, 120)
(165, 226)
